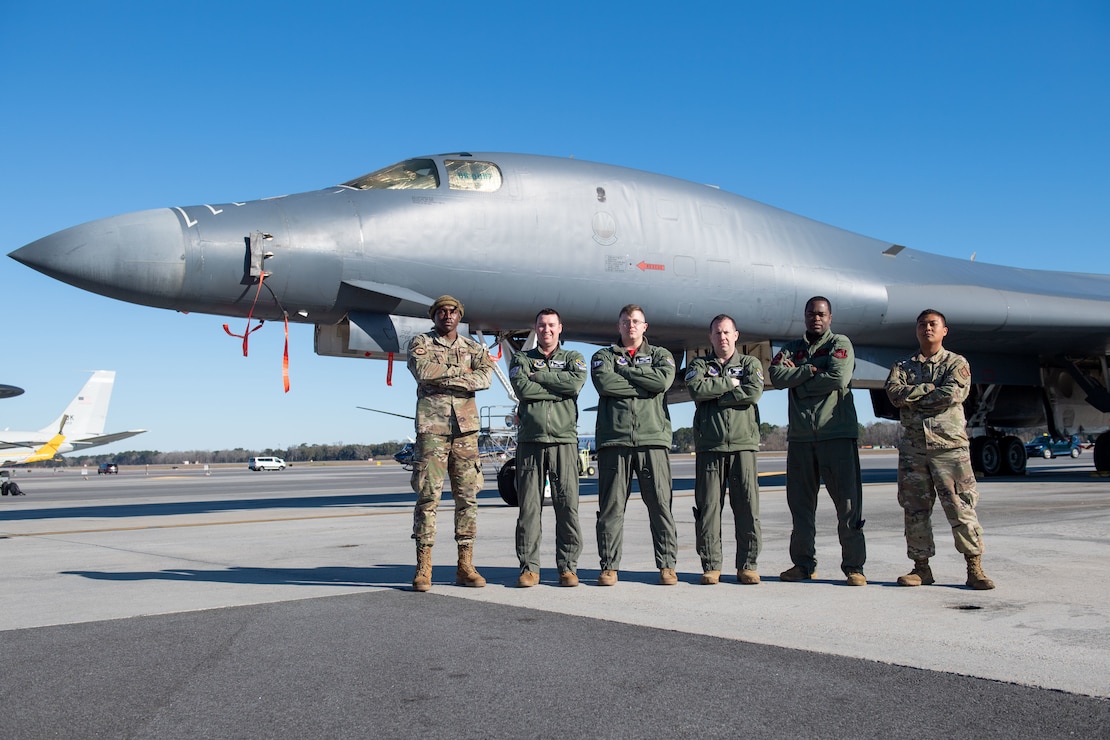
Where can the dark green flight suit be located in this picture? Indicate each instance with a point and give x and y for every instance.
(822, 446)
(634, 438)
(547, 447)
(726, 436)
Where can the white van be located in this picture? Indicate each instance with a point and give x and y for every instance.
(266, 463)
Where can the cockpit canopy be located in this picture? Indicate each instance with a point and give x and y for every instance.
(423, 174)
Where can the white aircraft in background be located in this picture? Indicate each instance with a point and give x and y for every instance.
(80, 427)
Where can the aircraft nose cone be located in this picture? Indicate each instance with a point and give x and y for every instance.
(138, 257)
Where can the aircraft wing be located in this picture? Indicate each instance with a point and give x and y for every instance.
(104, 439)
(7, 444)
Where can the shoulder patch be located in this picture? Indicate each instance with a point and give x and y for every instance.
(419, 350)
(514, 371)
(840, 354)
(598, 362)
(965, 371)
(580, 364)
(690, 374)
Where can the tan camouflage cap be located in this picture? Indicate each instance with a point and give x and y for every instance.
(445, 300)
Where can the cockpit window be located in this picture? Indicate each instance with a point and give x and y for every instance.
(466, 174)
(412, 174)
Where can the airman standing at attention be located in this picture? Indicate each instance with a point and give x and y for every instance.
(448, 369)
(725, 388)
(634, 438)
(933, 458)
(547, 380)
(822, 438)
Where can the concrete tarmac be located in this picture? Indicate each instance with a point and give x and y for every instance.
(241, 604)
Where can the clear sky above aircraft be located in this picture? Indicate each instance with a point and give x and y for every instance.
(979, 132)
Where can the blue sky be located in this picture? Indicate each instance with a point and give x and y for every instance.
(950, 127)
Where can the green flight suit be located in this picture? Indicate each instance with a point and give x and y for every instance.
(822, 446)
(547, 448)
(634, 438)
(726, 437)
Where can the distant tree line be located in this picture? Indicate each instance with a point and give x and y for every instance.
(773, 437)
(301, 453)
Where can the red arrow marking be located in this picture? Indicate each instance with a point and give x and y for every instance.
(650, 266)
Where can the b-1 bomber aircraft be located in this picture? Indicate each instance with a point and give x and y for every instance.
(510, 234)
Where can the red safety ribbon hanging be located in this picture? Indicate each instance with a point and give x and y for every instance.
(389, 370)
(285, 357)
(248, 331)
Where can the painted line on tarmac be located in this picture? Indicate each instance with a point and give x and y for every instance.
(138, 528)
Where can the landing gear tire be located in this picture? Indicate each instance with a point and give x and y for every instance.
(1013, 456)
(506, 483)
(986, 457)
(1102, 453)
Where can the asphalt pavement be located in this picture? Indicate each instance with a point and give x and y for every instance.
(169, 603)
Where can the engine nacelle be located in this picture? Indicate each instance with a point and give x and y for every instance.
(372, 336)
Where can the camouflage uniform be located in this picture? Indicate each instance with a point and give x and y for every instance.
(634, 438)
(726, 435)
(447, 375)
(933, 458)
(547, 447)
(822, 438)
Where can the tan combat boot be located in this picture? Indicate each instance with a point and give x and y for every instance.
(921, 575)
(422, 581)
(710, 577)
(465, 575)
(975, 576)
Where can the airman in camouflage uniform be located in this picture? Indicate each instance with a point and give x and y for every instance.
(448, 369)
(634, 438)
(725, 388)
(933, 460)
(547, 380)
(822, 438)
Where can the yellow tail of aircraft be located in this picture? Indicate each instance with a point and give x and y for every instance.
(79, 427)
(48, 451)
